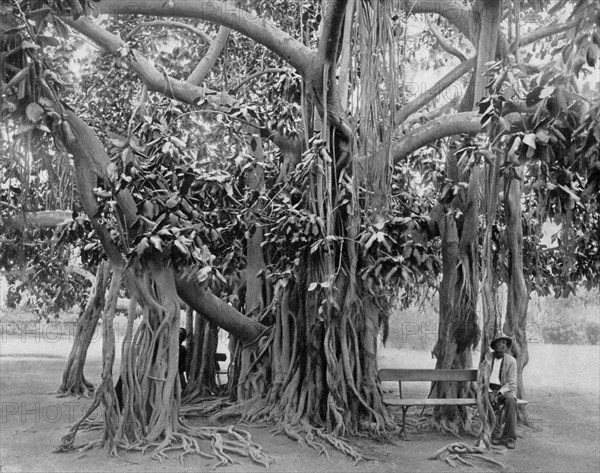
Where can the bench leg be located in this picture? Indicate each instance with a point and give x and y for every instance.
(403, 431)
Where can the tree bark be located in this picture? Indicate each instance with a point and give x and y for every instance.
(458, 331)
(518, 295)
(41, 219)
(222, 13)
(217, 311)
(255, 263)
(489, 281)
(73, 380)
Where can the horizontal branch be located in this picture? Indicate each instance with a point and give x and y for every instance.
(222, 13)
(41, 219)
(431, 93)
(444, 126)
(251, 77)
(218, 311)
(544, 32)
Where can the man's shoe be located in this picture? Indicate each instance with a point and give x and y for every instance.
(510, 443)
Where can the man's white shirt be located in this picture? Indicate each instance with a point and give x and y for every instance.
(495, 376)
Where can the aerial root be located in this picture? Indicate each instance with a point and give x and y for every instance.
(341, 445)
(428, 422)
(459, 453)
(225, 441)
(307, 435)
(205, 408)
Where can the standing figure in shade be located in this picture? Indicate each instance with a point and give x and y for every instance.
(503, 388)
(182, 359)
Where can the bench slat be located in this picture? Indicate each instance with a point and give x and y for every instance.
(437, 402)
(427, 375)
(430, 402)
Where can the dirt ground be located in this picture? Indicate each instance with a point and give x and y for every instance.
(567, 417)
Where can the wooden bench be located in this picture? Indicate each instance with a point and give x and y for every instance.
(433, 376)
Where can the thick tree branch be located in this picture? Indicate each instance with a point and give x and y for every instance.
(455, 11)
(221, 13)
(150, 76)
(91, 163)
(544, 32)
(487, 17)
(251, 77)
(169, 24)
(426, 97)
(443, 43)
(147, 73)
(426, 116)
(462, 69)
(322, 79)
(333, 19)
(210, 58)
(217, 311)
(447, 125)
(41, 219)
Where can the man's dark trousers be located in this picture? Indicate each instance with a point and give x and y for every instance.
(510, 416)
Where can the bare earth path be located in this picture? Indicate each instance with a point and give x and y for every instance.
(33, 419)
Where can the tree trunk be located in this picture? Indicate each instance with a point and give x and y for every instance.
(73, 380)
(151, 388)
(518, 295)
(256, 290)
(489, 281)
(458, 331)
(202, 372)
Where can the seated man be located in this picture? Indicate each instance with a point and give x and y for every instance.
(503, 388)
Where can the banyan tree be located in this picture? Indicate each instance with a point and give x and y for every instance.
(259, 174)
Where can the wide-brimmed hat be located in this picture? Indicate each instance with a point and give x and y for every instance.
(509, 341)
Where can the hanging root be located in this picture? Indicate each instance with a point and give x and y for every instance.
(459, 453)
